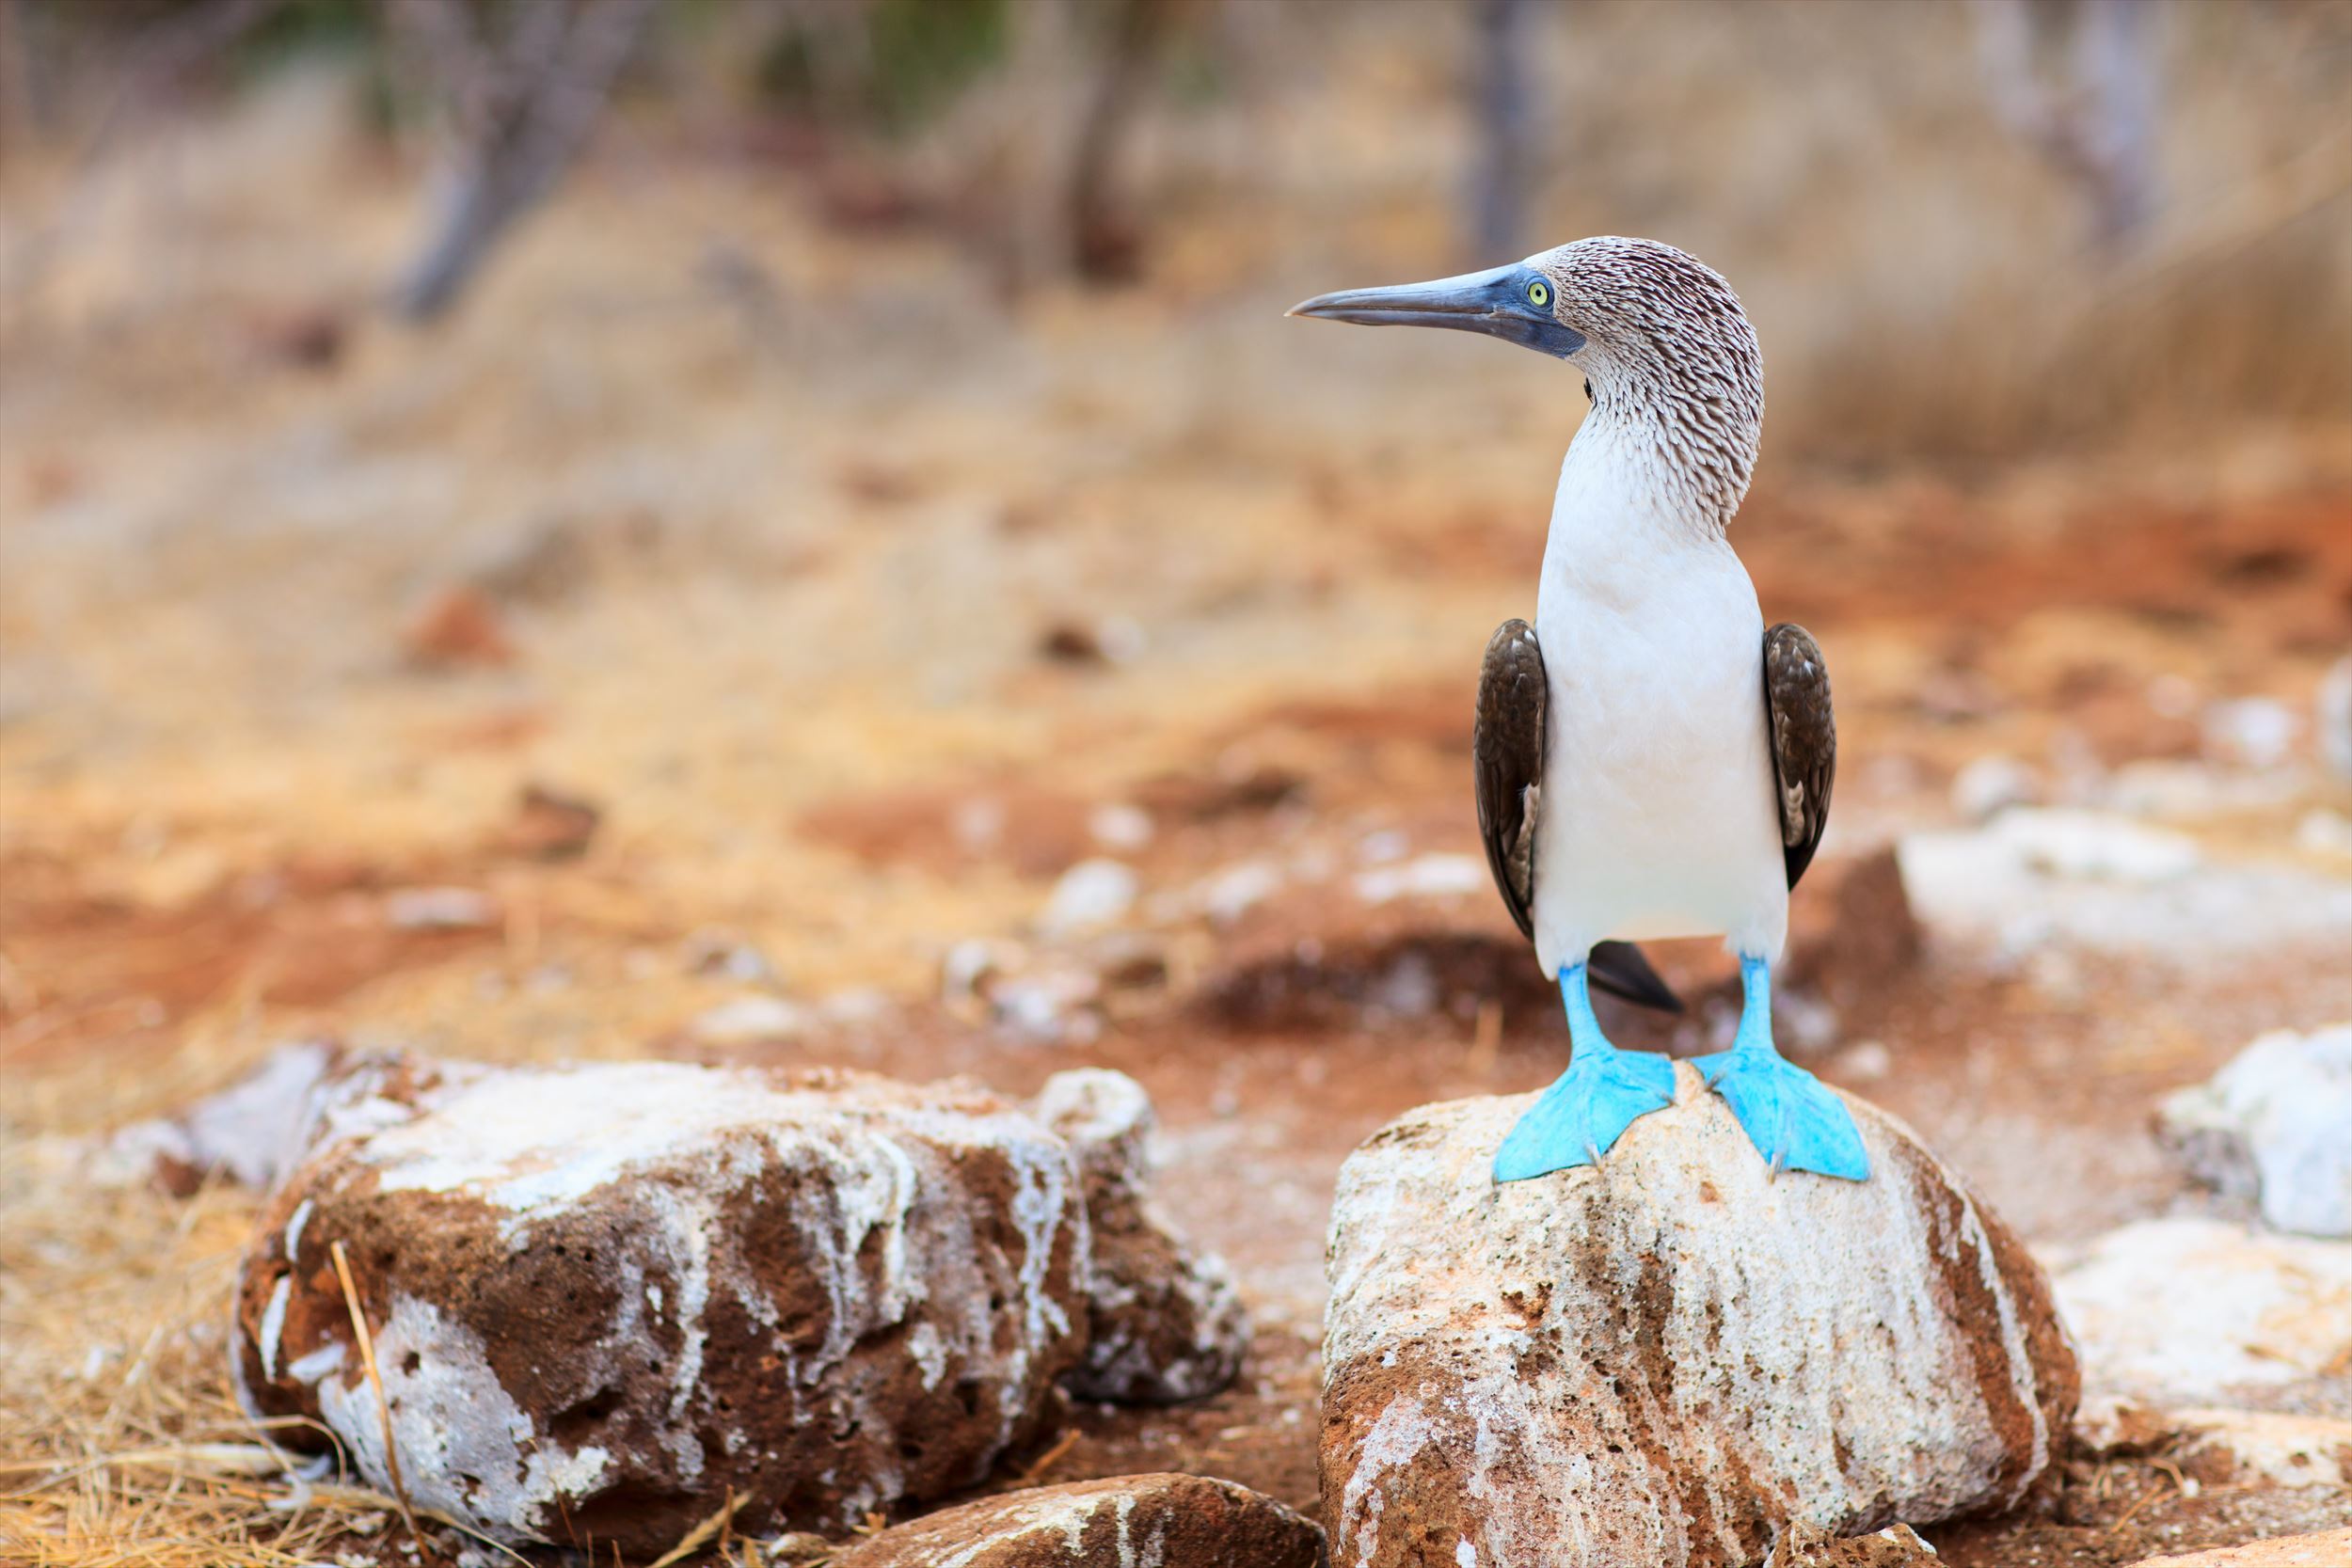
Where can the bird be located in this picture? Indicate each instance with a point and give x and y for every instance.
(1649, 759)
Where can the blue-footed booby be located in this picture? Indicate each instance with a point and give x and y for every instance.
(1650, 761)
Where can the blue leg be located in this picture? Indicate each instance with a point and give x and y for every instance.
(1794, 1122)
(1594, 1101)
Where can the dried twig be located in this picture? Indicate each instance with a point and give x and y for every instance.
(695, 1539)
(1037, 1467)
(383, 1405)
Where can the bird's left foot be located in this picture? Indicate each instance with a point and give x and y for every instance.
(1793, 1119)
(1790, 1116)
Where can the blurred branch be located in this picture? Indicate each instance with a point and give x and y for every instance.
(520, 111)
(1104, 243)
(2094, 115)
(1498, 195)
(155, 61)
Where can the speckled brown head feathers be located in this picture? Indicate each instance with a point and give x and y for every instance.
(1670, 353)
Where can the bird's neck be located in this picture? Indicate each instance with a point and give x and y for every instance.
(1637, 502)
(1657, 470)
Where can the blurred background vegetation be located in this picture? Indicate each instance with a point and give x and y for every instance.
(1964, 227)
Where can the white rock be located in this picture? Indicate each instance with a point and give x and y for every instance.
(1119, 826)
(1092, 894)
(2276, 1124)
(1226, 896)
(2109, 885)
(439, 909)
(1989, 785)
(2251, 732)
(1434, 876)
(2331, 709)
(746, 1019)
(2186, 1310)
(1670, 1359)
(2184, 791)
(2089, 846)
(2323, 831)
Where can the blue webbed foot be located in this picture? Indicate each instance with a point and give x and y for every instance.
(1790, 1116)
(1591, 1104)
(1586, 1111)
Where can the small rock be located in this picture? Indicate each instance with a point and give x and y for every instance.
(2275, 1123)
(1803, 1546)
(2323, 831)
(721, 953)
(2251, 732)
(1070, 642)
(1164, 1324)
(601, 1296)
(2248, 1448)
(2331, 710)
(1863, 1062)
(1092, 894)
(749, 1019)
(1671, 1358)
(1177, 1520)
(1226, 896)
(1436, 876)
(1055, 1005)
(549, 825)
(1990, 784)
(458, 626)
(2182, 1310)
(2332, 1550)
(439, 909)
(1117, 826)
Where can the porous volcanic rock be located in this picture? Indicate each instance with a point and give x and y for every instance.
(1164, 1321)
(1176, 1521)
(1671, 1358)
(1897, 1546)
(601, 1296)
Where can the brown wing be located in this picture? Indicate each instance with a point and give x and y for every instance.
(1804, 740)
(1507, 752)
(1507, 755)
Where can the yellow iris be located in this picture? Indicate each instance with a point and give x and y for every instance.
(1538, 293)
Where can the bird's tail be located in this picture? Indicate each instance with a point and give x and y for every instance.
(1619, 968)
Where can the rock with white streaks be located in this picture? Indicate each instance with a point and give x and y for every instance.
(1673, 1359)
(1176, 1521)
(603, 1296)
(2275, 1125)
(1164, 1321)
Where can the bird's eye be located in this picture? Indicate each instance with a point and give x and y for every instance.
(1539, 292)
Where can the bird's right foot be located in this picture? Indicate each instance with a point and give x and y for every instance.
(1586, 1111)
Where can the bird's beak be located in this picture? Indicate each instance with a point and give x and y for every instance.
(1495, 302)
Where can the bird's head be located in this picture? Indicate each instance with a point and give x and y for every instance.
(1657, 333)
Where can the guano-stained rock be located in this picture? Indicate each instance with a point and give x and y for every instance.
(1164, 1321)
(1169, 1520)
(601, 1296)
(1669, 1359)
